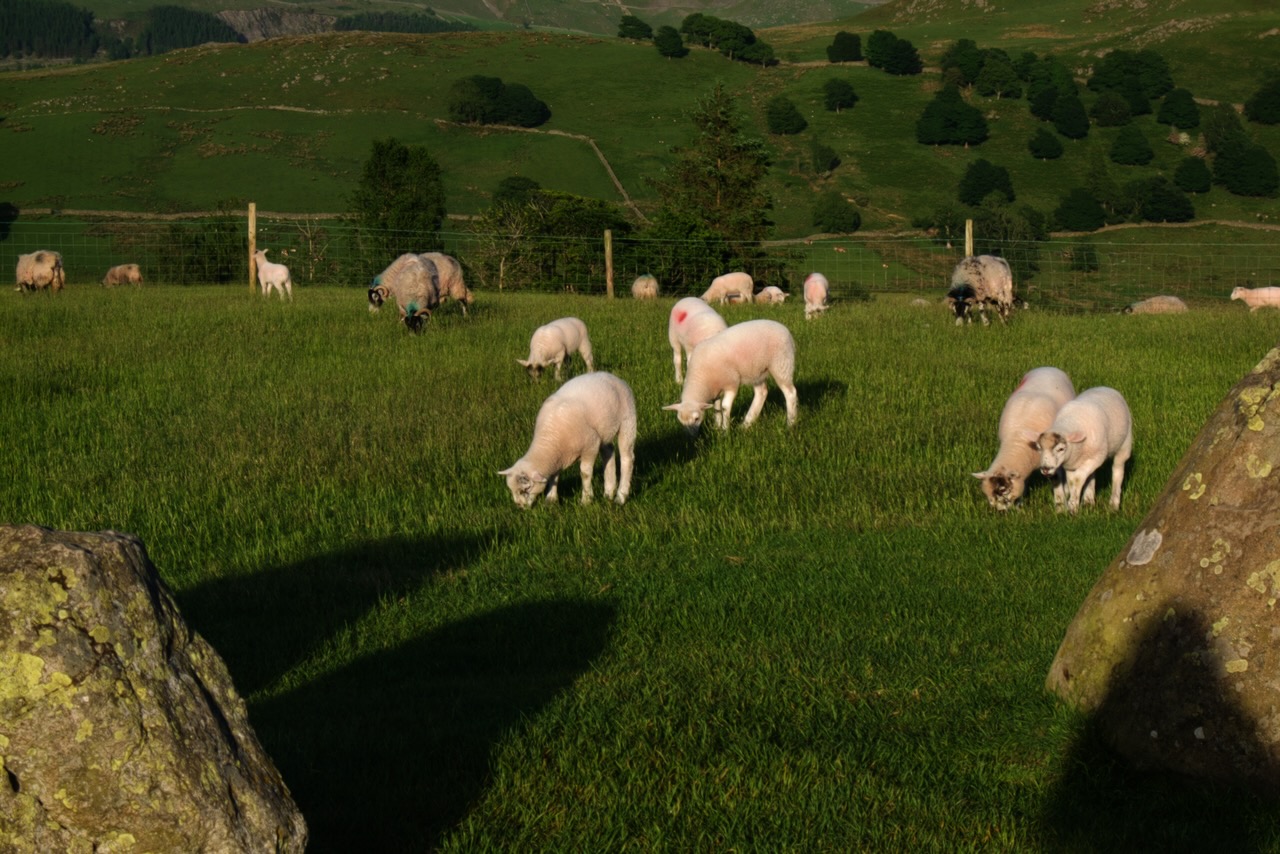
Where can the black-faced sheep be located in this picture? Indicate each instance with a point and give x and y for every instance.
(979, 281)
(413, 282)
(39, 270)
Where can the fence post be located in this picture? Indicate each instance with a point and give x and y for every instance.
(968, 238)
(608, 262)
(253, 243)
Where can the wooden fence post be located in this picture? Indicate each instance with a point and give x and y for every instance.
(968, 238)
(608, 262)
(253, 243)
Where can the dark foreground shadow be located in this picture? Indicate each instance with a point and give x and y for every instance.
(815, 394)
(388, 754)
(1117, 792)
(8, 216)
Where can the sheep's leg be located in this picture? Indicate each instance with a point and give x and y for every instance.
(553, 484)
(1059, 489)
(792, 397)
(760, 391)
(558, 363)
(677, 360)
(1090, 484)
(585, 465)
(626, 461)
(585, 350)
(724, 406)
(1117, 474)
(1075, 484)
(607, 455)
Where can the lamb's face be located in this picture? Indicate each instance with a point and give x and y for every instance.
(525, 488)
(1003, 489)
(1053, 452)
(689, 414)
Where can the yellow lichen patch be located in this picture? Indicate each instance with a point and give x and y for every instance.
(1195, 483)
(101, 634)
(85, 731)
(1267, 579)
(20, 676)
(1220, 625)
(1238, 665)
(115, 841)
(1256, 467)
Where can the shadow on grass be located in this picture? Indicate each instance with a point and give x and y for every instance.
(389, 753)
(815, 394)
(1117, 792)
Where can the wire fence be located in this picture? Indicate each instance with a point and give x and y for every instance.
(1080, 273)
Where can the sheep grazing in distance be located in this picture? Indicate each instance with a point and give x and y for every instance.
(123, 274)
(1097, 425)
(272, 276)
(580, 421)
(731, 287)
(1157, 305)
(692, 321)
(644, 287)
(1030, 410)
(816, 292)
(772, 295)
(743, 354)
(555, 343)
(414, 283)
(980, 281)
(39, 270)
(1257, 298)
(451, 285)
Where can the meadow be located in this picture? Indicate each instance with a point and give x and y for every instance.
(817, 638)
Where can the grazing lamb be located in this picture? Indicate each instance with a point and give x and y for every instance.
(1085, 432)
(692, 321)
(272, 276)
(743, 354)
(1157, 305)
(731, 287)
(451, 285)
(1257, 298)
(414, 283)
(979, 281)
(772, 295)
(644, 287)
(123, 274)
(1030, 410)
(555, 343)
(816, 291)
(39, 270)
(582, 419)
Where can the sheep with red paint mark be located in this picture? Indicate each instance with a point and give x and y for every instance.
(692, 321)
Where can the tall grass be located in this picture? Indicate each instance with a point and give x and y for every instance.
(806, 639)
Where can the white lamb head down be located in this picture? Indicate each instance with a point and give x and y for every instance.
(1002, 488)
(525, 485)
(690, 415)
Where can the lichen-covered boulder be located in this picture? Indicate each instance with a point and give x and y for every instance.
(1176, 650)
(120, 729)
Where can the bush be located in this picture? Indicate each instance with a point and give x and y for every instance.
(1069, 118)
(1193, 176)
(834, 214)
(1131, 148)
(948, 120)
(1179, 109)
(823, 157)
(838, 95)
(1246, 169)
(1111, 110)
(845, 47)
(783, 117)
(1080, 211)
(1044, 145)
(487, 100)
(983, 178)
(631, 27)
(1263, 106)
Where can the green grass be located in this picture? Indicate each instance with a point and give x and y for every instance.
(808, 639)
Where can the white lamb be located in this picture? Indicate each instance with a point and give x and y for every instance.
(272, 276)
(580, 421)
(771, 295)
(1030, 410)
(816, 291)
(644, 287)
(979, 281)
(743, 354)
(414, 283)
(731, 287)
(451, 284)
(123, 274)
(1257, 298)
(39, 270)
(555, 343)
(1157, 305)
(1086, 432)
(692, 321)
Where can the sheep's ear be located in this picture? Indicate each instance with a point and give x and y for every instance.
(1030, 436)
(674, 407)
(981, 475)
(524, 363)
(1075, 438)
(506, 472)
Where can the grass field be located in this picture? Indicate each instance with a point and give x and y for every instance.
(809, 639)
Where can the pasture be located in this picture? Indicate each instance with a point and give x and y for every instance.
(809, 639)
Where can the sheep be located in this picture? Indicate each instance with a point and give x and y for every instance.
(979, 281)
(39, 270)
(644, 287)
(1086, 431)
(272, 276)
(582, 419)
(1157, 305)
(731, 287)
(771, 295)
(451, 285)
(692, 321)
(816, 291)
(123, 274)
(1030, 409)
(555, 343)
(414, 283)
(743, 354)
(1257, 298)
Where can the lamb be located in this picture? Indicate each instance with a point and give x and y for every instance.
(1085, 432)
(980, 281)
(816, 290)
(1030, 410)
(771, 295)
(414, 283)
(39, 270)
(644, 287)
(451, 285)
(123, 274)
(731, 287)
(1257, 298)
(272, 276)
(692, 321)
(582, 419)
(1157, 305)
(743, 354)
(555, 343)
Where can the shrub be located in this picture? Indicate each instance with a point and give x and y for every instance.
(823, 157)
(1179, 109)
(983, 178)
(1069, 118)
(1131, 148)
(1263, 106)
(1044, 145)
(487, 100)
(1080, 211)
(834, 214)
(1246, 169)
(845, 47)
(1111, 110)
(1193, 176)
(783, 117)
(838, 95)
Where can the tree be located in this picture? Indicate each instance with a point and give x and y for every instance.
(1145, 70)
(838, 95)
(487, 100)
(1103, 187)
(1111, 110)
(983, 178)
(998, 79)
(948, 120)
(515, 190)
(1131, 148)
(834, 214)
(631, 27)
(1044, 145)
(668, 42)
(783, 117)
(1221, 126)
(1193, 176)
(1041, 103)
(1158, 200)
(964, 60)
(1246, 169)
(1179, 109)
(399, 203)
(1078, 210)
(845, 47)
(518, 106)
(1263, 106)
(879, 45)
(1069, 118)
(903, 59)
(823, 157)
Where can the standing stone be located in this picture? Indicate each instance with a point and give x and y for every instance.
(120, 729)
(1176, 650)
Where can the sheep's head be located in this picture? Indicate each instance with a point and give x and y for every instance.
(533, 369)
(377, 296)
(525, 485)
(1002, 488)
(416, 319)
(690, 415)
(1053, 449)
(1238, 293)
